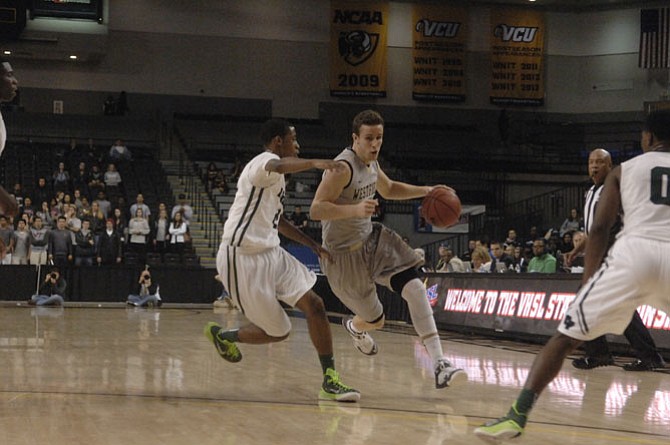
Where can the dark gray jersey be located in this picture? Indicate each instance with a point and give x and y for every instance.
(342, 234)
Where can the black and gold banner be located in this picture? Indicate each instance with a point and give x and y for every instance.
(358, 31)
(517, 57)
(438, 55)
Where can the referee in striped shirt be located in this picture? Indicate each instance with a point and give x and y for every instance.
(597, 352)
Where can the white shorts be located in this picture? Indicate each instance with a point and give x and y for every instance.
(635, 272)
(258, 281)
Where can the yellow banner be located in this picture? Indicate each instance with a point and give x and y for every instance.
(358, 31)
(517, 57)
(438, 55)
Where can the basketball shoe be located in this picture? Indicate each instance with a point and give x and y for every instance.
(447, 375)
(226, 349)
(333, 389)
(505, 428)
(362, 340)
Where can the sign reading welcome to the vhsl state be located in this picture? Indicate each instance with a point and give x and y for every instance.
(438, 52)
(517, 57)
(358, 31)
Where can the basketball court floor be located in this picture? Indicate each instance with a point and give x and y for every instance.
(115, 375)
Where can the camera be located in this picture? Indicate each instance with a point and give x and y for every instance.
(53, 276)
(146, 278)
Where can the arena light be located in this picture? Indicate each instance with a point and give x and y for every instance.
(73, 57)
(7, 52)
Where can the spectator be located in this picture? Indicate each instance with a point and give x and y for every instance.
(81, 178)
(543, 261)
(148, 294)
(17, 191)
(105, 205)
(211, 173)
(61, 179)
(178, 229)
(97, 219)
(84, 251)
(577, 263)
(571, 223)
(76, 199)
(112, 180)
(39, 242)
(501, 262)
(60, 245)
(119, 152)
(566, 245)
(423, 267)
(120, 224)
(511, 238)
(481, 260)
(184, 207)
(109, 249)
(161, 234)
(109, 107)
(533, 234)
(7, 237)
(221, 183)
(138, 229)
(73, 223)
(44, 213)
(139, 204)
(467, 256)
(520, 260)
(448, 261)
(52, 290)
(42, 192)
(21, 243)
(299, 219)
(96, 181)
(27, 209)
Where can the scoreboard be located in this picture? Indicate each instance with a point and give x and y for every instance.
(70, 9)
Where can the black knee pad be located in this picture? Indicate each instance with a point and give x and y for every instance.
(399, 280)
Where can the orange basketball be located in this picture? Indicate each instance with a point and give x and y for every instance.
(441, 208)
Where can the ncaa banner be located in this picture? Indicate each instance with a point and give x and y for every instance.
(517, 57)
(438, 53)
(358, 31)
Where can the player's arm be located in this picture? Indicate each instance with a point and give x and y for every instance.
(8, 205)
(390, 189)
(295, 165)
(324, 206)
(293, 233)
(605, 218)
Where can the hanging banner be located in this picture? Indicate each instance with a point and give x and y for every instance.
(517, 57)
(358, 31)
(438, 54)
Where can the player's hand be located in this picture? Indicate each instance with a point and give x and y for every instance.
(569, 257)
(365, 209)
(329, 164)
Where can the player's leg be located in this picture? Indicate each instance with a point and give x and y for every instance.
(644, 346)
(596, 353)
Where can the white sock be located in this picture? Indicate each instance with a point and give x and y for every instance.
(414, 292)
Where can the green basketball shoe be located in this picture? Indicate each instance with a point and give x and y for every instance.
(226, 349)
(333, 389)
(507, 427)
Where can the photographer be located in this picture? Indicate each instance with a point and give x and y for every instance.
(51, 292)
(148, 294)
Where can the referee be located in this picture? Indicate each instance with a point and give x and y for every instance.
(597, 352)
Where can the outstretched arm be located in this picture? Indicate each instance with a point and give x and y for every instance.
(293, 233)
(294, 165)
(390, 189)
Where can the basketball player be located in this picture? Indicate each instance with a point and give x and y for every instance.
(597, 352)
(258, 273)
(366, 253)
(612, 290)
(8, 86)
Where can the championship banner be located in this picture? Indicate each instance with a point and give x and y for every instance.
(438, 55)
(517, 57)
(358, 31)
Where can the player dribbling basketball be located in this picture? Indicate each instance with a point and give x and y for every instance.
(8, 87)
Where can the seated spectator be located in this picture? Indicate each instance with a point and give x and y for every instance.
(109, 246)
(119, 152)
(138, 231)
(61, 179)
(84, 250)
(533, 234)
(481, 260)
(112, 180)
(184, 207)
(178, 230)
(542, 261)
(21, 243)
(60, 245)
(448, 261)
(7, 237)
(571, 223)
(148, 294)
(81, 178)
(511, 239)
(424, 267)
(221, 184)
(52, 291)
(501, 262)
(139, 204)
(299, 219)
(576, 264)
(565, 244)
(211, 173)
(467, 255)
(39, 242)
(97, 180)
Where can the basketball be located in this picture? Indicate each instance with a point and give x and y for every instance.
(441, 207)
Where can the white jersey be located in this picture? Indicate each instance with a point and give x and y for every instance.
(254, 216)
(3, 134)
(645, 196)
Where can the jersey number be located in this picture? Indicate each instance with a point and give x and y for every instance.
(660, 185)
(275, 220)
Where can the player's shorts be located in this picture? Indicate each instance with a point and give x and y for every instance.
(636, 272)
(353, 273)
(257, 282)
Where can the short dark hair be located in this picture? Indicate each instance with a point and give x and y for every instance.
(366, 117)
(273, 128)
(61, 217)
(658, 124)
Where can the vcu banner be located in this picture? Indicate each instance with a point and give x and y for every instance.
(438, 53)
(358, 31)
(517, 57)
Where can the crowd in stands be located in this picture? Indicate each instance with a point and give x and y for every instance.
(533, 254)
(79, 215)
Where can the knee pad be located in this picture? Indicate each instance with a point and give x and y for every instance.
(375, 324)
(399, 280)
